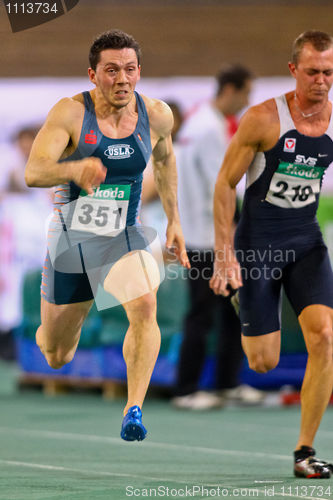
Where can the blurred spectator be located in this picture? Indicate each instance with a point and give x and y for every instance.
(178, 120)
(204, 138)
(22, 144)
(23, 214)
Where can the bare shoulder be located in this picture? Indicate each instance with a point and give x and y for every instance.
(67, 108)
(260, 125)
(261, 115)
(160, 116)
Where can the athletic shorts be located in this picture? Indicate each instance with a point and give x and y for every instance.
(67, 265)
(305, 274)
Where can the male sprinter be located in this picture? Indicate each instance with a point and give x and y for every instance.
(285, 145)
(104, 138)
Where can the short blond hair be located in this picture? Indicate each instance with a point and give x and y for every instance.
(318, 39)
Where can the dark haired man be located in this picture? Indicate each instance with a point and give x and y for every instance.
(285, 145)
(115, 39)
(204, 138)
(80, 147)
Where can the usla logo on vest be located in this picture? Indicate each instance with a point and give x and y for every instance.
(110, 193)
(119, 151)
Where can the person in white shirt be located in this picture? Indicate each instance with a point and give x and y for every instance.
(204, 139)
(23, 215)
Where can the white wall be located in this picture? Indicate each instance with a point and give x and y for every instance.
(27, 101)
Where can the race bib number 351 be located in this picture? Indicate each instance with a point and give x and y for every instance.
(294, 186)
(103, 212)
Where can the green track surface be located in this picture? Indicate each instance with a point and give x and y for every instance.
(68, 448)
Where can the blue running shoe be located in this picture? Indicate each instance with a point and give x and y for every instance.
(132, 428)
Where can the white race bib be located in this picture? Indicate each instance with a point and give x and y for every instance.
(103, 212)
(294, 186)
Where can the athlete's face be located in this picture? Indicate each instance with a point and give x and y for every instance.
(116, 75)
(313, 73)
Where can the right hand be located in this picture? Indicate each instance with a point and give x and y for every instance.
(226, 272)
(88, 173)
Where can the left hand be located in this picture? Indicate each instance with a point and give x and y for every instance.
(227, 272)
(175, 242)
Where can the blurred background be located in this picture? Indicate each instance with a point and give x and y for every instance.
(184, 44)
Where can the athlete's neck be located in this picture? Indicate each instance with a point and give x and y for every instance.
(105, 109)
(306, 109)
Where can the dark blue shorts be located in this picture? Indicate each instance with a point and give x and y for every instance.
(305, 274)
(64, 277)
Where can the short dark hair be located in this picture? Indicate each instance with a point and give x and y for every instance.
(236, 75)
(318, 39)
(112, 39)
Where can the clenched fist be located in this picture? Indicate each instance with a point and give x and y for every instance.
(88, 173)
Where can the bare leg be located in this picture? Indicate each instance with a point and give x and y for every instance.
(141, 347)
(133, 280)
(262, 351)
(59, 333)
(316, 323)
(134, 275)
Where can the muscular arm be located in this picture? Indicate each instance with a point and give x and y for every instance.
(250, 138)
(236, 162)
(165, 173)
(43, 168)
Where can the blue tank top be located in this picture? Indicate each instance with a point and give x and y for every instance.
(125, 158)
(283, 186)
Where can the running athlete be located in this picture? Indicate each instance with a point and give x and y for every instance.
(285, 145)
(96, 141)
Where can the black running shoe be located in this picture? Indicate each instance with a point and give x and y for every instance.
(307, 465)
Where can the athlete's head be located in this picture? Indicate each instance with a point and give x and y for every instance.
(113, 39)
(233, 88)
(312, 65)
(319, 40)
(115, 66)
